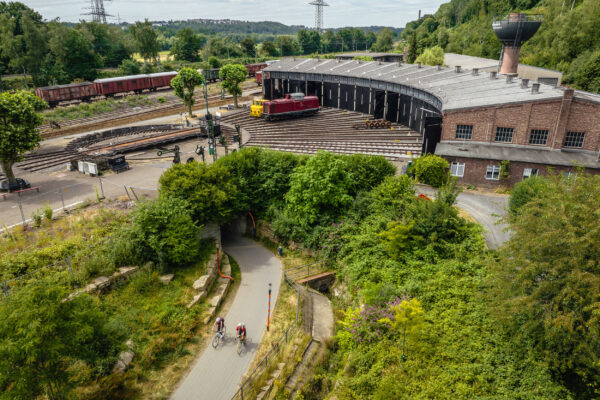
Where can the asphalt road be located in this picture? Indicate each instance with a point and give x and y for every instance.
(218, 372)
(487, 209)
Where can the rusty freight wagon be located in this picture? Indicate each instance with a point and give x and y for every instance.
(254, 68)
(161, 79)
(59, 93)
(292, 106)
(123, 84)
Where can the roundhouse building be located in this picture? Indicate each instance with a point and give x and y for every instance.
(475, 120)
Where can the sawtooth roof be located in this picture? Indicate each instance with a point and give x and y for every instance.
(456, 90)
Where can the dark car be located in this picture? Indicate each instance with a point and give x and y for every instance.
(18, 185)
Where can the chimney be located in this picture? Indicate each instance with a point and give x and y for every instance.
(509, 78)
(493, 75)
(418, 65)
(457, 69)
(535, 88)
(524, 83)
(475, 71)
(419, 14)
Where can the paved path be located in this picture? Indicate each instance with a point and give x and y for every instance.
(487, 209)
(217, 373)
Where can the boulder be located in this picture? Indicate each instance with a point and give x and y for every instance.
(166, 279)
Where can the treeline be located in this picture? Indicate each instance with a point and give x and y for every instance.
(568, 40)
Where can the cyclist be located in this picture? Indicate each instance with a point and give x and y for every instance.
(220, 323)
(241, 331)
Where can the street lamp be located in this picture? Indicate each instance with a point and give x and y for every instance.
(209, 125)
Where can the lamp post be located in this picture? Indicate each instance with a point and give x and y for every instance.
(209, 125)
(269, 309)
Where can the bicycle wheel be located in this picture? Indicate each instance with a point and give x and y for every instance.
(216, 339)
(240, 345)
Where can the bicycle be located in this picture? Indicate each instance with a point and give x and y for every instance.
(241, 345)
(219, 337)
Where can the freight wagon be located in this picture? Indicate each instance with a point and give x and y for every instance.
(292, 106)
(55, 94)
(122, 84)
(210, 75)
(254, 68)
(258, 78)
(161, 79)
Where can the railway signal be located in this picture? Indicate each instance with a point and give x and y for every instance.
(175, 150)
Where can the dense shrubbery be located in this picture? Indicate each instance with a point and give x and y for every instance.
(526, 191)
(431, 170)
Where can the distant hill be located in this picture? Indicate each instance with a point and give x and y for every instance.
(228, 26)
(374, 29)
(568, 40)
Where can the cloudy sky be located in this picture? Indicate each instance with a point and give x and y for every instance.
(291, 12)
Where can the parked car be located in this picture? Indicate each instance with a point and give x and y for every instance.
(18, 185)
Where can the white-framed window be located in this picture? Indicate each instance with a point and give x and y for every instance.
(504, 134)
(527, 172)
(464, 132)
(574, 139)
(457, 169)
(538, 136)
(492, 173)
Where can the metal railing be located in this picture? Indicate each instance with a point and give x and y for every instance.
(256, 373)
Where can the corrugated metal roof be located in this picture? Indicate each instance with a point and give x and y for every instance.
(66, 86)
(159, 74)
(121, 78)
(457, 91)
(519, 153)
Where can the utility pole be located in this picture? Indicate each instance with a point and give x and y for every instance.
(209, 125)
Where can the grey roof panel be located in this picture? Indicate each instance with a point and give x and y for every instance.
(456, 90)
(542, 155)
(121, 78)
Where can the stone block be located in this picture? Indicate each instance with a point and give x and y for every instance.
(203, 283)
(126, 272)
(215, 301)
(197, 299)
(166, 279)
(125, 358)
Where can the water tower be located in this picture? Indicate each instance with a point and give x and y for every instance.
(513, 31)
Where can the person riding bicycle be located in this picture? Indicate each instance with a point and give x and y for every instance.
(241, 331)
(220, 323)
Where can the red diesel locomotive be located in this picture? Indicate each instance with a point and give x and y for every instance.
(292, 106)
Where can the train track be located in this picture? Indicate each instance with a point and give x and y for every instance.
(122, 117)
(332, 130)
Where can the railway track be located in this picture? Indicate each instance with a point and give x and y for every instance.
(124, 116)
(332, 130)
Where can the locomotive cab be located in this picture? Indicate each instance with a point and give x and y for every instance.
(256, 109)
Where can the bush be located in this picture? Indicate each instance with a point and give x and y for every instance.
(431, 170)
(214, 62)
(130, 67)
(524, 192)
(167, 232)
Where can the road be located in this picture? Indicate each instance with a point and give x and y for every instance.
(217, 373)
(487, 209)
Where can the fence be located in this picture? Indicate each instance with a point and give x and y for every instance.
(263, 364)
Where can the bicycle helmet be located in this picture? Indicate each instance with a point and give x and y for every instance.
(243, 325)
(219, 319)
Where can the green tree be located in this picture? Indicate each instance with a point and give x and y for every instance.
(166, 231)
(585, 71)
(43, 337)
(19, 120)
(525, 191)
(548, 280)
(209, 190)
(146, 40)
(432, 56)
(310, 41)
(184, 84)
(385, 40)
(130, 67)
(319, 190)
(231, 76)
(412, 48)
(187, 45)
(370, 39)
(443, 37)
(248, 46)
(287, 45)
(214, 62)
(268, 48)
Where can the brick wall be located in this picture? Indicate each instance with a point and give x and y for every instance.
(475, 171)
(576, 115)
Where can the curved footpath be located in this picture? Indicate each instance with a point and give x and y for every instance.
(218, 372)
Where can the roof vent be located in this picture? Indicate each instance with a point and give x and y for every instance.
(457, 69)
(524, 83)
(378, 62)
(418, 65)
(535, 88)
(493, 74)
(318, 59)
(509, 78)
(475, 71)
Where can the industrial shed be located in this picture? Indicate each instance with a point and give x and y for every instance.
(456, 105)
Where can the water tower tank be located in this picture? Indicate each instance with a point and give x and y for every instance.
(513, 31)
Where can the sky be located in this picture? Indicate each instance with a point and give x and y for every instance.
(340, 13)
